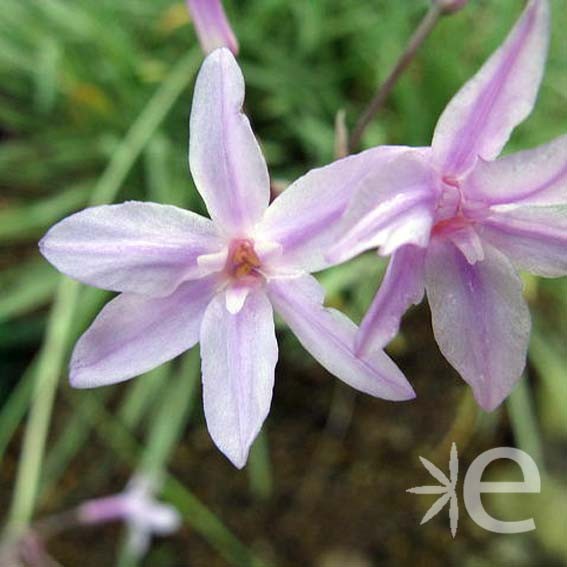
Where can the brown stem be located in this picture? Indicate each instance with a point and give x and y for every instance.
(419, 36)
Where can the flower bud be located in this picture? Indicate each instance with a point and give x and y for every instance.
(212, 26)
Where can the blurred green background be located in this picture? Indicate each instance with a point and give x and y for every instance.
(94, 106)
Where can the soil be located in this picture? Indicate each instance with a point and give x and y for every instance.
(341, 464)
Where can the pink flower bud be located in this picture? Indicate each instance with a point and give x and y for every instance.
(212, 26)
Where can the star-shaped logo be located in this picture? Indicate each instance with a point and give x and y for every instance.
(447, 490)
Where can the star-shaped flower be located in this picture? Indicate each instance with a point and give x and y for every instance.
(459, 221)
(186, 279)
(136, 507)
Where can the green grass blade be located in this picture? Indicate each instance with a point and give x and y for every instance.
(48, 371)
(54, 348)
(260, 468)
(112, 433)
(25, 288)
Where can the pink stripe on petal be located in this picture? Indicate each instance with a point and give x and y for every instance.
(133, 247)
(102, 510)
(239, 354)
(329, 337)
(480, 319)
(403, 286)
(530, 177)
(304, 219)
(533, 237)
(393, 206)
(134, 334)
(212, 26)
(227, 164)
(480, 118)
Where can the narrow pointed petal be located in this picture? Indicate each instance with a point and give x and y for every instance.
(304, 219)
(226, 162)
(480, 118)
(480, 319)
(212, 26)
(133, 247)
(165, 519)
(393, 206)
(134, 334)
(239, 354)
(329, 337)
(533, 237)
(403, 285)
(530, 177)
(235, 297)
(102, 510)
(467, 240)
(154, 517)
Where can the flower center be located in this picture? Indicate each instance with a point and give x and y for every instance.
(242, 261)
(449, 203)
(453, 224)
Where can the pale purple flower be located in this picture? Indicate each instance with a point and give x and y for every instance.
(459, 221)
(137, 508)
(212, 26)
(185, 278)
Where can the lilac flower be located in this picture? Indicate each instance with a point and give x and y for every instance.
(136, 507)
(212, 26)
(185, 278)
(458, 221)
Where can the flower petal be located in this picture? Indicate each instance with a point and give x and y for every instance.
(329, 336)
(480, 118)
(235, 296)
(304, 218)
(133, 247)
(134, 334)
(225, 159)
(403, 285)
(163, 518)
(467, 240)
(393, 206)
(533, 237)
(239, 354)
(480, 318)
(212, 26)
(531, 177)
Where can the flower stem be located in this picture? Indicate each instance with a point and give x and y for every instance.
(46, 378)
(260, 468)
(524, 421)
(421, 33)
